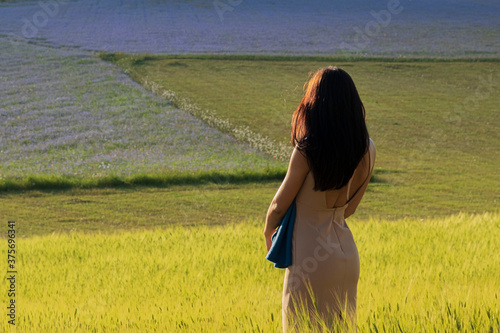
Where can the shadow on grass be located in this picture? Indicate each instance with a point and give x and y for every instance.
(378, 176)
(52, 182)
(140, 59)
(375, 179)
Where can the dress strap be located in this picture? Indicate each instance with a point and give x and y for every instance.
(349, 185)
(370, 168)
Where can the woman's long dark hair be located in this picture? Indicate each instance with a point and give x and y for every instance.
(329, 127)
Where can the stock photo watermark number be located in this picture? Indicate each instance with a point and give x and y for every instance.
(11, 272)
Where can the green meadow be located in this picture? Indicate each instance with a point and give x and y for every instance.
(434, 122)
(183, 251)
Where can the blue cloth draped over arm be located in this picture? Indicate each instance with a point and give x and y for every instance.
(280, 252)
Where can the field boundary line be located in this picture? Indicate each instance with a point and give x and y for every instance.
(281, 151)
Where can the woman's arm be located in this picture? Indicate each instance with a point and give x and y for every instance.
(295, 176)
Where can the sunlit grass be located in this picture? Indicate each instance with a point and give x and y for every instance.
(433, 275)
(108, 210)
(434, 122)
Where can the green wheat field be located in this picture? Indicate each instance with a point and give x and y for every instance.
(438, 275)
(127, 246)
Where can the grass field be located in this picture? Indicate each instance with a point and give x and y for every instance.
(434, 121)
(174, 242)
(434, 124)
(438, 275)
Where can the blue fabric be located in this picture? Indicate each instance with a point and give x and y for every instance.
(281, 250)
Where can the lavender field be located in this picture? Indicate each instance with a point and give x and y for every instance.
(449, 28)
(64, 112)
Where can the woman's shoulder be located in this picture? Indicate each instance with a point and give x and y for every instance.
(371, 144)
(372, 151)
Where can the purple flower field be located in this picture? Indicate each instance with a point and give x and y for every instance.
(447, 28)
(65, 112)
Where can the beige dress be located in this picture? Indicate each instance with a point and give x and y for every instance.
(325, 261)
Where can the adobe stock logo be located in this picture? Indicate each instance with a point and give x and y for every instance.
(48, 9)
(326, 246)
(222, 6)
(373, 28)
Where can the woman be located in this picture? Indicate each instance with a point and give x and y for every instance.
(329, 171)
